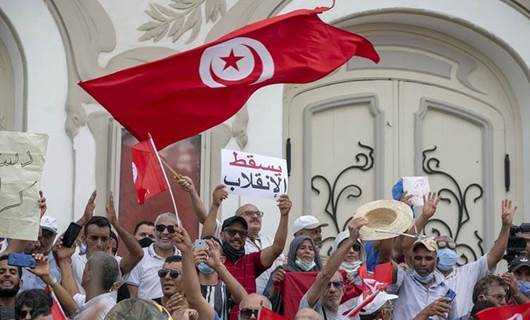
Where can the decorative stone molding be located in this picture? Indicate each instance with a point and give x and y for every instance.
(180, 17)
(7, 90)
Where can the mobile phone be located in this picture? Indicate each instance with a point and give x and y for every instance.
(21, 260)
(71, 234)
(450, 295)
(200, 244)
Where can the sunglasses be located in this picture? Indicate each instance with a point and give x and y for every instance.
(162, 227)
(336, 284)
(446, 244)
(24, 313)
(357, 247)
(252, 213)
(248, 313)
(162, 273)
(233, 232)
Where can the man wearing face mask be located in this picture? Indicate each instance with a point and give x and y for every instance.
(421, 285)
(520, 267)
(462, 279)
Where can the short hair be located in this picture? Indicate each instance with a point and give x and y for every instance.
(173, 259)
(5, 257)
(36, 299)
(141, 223)
(104, 268)
(482, 286)
(169, 215)
(99, 221)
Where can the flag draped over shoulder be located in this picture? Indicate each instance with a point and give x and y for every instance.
(519, 312)
(189, 92)
(148, 175)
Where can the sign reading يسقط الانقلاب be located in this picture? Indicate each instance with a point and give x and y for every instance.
(252, 174)
(21, 163)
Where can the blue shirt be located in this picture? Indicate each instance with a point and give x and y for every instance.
(31, 281)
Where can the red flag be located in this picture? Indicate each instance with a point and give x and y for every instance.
(148, 175)
(295, 285)
(266, 314)
(189, 92)
(518, 312)
(55, 310)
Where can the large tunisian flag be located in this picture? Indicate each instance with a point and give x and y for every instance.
(517, 312)
(189, 92)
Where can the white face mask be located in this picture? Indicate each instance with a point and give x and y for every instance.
(351, 267)
(306, 266)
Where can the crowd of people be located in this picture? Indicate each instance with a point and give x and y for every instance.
(233, 271)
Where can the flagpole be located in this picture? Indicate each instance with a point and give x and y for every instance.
(165, 177)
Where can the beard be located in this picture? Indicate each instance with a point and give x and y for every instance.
(8, 293)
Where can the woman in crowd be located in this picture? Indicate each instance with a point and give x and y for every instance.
(302, 257)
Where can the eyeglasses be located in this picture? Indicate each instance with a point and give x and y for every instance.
(336, 284)
(233, 232)
(444, 243)
(162, 227)
(252, 213)
(357, 247)
(248, 313)
(174, 274)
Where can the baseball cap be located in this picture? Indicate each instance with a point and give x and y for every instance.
(49, 223)
(307, 222)
(377, 303)
(428, 243)
(340, 238)
(235, 219)
(519, 262)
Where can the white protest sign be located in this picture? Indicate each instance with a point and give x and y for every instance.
(417, 187)
(21, 162)
(251, 174)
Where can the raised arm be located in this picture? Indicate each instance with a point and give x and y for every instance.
(210, 224)
(497, 251)
(89, 210)
(214, 261)
(42, 270)
(324, 276)
(135, 250)
(191, 285)
(429, 208)
(63, 255)
(269, 254)
(187, 185)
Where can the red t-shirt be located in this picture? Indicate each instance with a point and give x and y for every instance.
(245, 270)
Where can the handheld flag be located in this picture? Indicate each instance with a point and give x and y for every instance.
(189, 92)
(149, 177)
(518, 312)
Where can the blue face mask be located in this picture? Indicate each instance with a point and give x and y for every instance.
(423, 279)
(204, 268)
(446, 259)
(306, 266)
(524, 287)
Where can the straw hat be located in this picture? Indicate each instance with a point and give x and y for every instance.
(386, 219)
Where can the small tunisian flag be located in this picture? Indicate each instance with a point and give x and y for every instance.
(266, 314)
(55, 310)
(519, 312)
(149, 177)
(186, 93)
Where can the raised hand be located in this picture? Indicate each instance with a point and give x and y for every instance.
(200, 256)
(511, 281)
(185, 183)
(183, 240)
(111, 211)
(214, 254)
(508, 212)
(61, 252)
(42, 269)
(406, 198)
(42, 204)
(89, 209)
(355, 225)
(430, 203)
(284, 204)
(219, 194)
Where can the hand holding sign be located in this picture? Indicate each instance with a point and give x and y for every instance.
(417, 187)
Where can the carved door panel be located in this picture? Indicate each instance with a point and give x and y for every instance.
(339, 137)
(459, 143)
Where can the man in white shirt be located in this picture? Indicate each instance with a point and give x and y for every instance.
(97, 236)
(100, 274)
(143, 280)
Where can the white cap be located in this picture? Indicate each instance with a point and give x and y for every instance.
(339, 238)
(307, 222)
(377, 303)
(49, 223)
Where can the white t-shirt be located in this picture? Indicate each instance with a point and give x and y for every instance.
(462, 281)
(325, 313)
(145, 275)
(106, 301)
